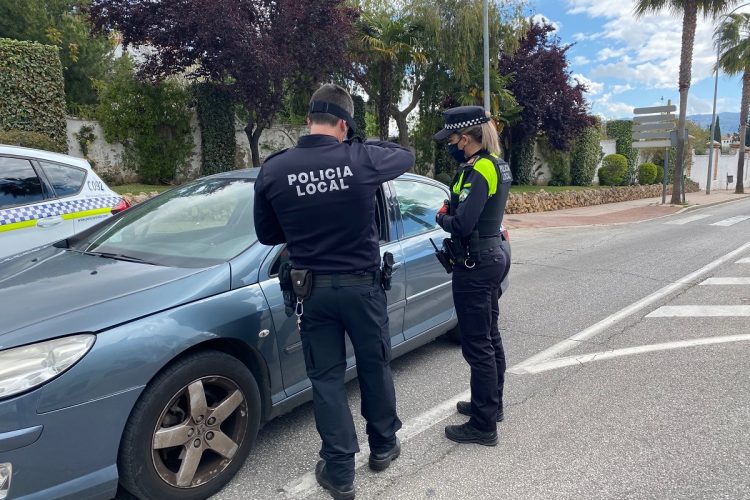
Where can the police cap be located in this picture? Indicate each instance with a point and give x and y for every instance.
(460, 118)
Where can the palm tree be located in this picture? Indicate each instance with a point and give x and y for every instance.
(733, 38)
(689, 10)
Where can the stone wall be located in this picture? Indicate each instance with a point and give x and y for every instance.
(543, 201)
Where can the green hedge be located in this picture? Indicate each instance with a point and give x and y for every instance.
(614, 171)
(215, 111)
(27, 139)
(647, 174)
(522, 161)
(359, 116)
(585, 156)
(622, 132)
(32, 91)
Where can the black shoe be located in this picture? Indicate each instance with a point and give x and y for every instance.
(338, 492)
(380, 461)
(467, 433)
(464, 408)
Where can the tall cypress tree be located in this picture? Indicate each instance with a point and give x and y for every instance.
(717, 130)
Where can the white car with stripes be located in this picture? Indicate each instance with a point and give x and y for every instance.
(46, 197)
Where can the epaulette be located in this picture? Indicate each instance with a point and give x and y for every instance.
(277, 153)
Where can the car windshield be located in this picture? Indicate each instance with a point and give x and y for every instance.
(199, 224)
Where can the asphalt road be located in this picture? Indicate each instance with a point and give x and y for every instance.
(668, 420)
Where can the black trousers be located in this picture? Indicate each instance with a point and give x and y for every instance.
(361, 312)
(475, 294)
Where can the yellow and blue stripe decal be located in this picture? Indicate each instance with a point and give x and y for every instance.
(27, 216)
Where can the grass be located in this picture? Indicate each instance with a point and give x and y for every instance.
(549, 189)
(139, 188)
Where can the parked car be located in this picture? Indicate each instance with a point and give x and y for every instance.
(149, 349)
(46, 197)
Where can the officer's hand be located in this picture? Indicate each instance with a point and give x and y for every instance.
(443, 211)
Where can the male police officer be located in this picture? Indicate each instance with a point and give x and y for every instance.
(473, 217)
(319, 199)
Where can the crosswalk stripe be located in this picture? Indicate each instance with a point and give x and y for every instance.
(700, 311)
(731, 221)
(685, 220)
(743, 261)
(727, 281)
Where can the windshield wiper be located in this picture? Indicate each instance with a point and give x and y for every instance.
(119, 256)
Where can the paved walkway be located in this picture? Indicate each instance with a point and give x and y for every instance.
(617, 213)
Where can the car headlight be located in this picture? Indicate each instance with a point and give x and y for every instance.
(23, 368)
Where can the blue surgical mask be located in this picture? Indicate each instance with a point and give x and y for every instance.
(456, 153)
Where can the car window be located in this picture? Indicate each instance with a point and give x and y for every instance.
(418, 202)
(202, 223)
(65, 180)
(19, 184)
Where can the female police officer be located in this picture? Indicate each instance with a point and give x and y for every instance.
(473, 217)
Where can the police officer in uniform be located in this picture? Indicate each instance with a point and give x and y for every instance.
(319, 199)
(478, 195)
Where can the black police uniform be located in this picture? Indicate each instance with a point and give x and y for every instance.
(479, 193)
(319, 198)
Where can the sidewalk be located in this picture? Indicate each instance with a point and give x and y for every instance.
(617, 213)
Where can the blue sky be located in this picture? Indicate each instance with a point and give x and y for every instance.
(628, 62)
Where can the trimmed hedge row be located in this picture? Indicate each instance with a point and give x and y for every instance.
(32, 90)
(215, 112)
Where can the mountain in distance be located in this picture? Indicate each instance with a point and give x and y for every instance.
(729, 122)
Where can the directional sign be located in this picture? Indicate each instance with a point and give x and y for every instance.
(654, 127)
(652, 144)
(655, 109)
(653, 118)
(647, 127)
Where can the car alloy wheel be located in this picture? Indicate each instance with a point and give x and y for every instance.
(199, 431)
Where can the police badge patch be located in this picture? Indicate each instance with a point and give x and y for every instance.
(464, 194)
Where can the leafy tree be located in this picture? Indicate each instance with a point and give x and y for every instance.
(263, 50)
(717, 130)
(734, 45)
(689, 10)
(542, 86)
(62, 23)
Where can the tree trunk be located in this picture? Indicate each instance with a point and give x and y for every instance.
(403, 129)
(384, 103)
(739, 183)
(253, 132)
(686, 62)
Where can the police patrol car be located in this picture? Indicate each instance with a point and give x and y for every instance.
(46, 197)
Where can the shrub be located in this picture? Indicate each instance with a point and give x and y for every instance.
(28, 140)
(646, 173)
(585, 156)
(659, 174)
(444, 177)
(85, 137)
(522, 161)
(216, 118)
(622, 132)
(558, 162)
(32, 95)
(614, 170)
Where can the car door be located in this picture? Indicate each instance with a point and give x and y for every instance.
(27, 214)
(287, 336)
(429, 301)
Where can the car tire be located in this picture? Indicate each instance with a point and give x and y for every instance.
(191, 429)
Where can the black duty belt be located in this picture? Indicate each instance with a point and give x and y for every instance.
(486, 243)
(337, 280)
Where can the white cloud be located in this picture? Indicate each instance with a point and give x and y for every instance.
(593, 87)
(603, 106)
(541, 18)
(619, 89)
(608, 53)
(580, 60)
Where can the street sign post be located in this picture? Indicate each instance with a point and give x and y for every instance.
(654, 128)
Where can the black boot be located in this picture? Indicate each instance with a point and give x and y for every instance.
(467, 433)
(464, 408)
(380, 461)
(337, 491)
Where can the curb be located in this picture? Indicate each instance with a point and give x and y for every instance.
(716, 203)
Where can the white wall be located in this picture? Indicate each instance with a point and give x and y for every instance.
(727, 164)
(541, 169)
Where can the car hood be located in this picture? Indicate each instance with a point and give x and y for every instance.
(54, 292)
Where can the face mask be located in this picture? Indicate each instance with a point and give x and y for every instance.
(456, 153)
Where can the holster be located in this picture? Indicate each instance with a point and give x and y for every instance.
(386, 271)
(287, 291)
(302, 283)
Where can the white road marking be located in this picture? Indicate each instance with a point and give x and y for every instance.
(575, 340)
(700, 312)
(685, 220)
(731, 221)
(627, 351)
(306, 484)
(743, 261)
(727, 281)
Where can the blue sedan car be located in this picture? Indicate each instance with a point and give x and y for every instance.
(148, 350)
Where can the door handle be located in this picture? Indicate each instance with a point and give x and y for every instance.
(49, 221)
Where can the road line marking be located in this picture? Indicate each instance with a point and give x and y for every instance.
(700, 312)
(726, 281)
(595, 329)
(627, 351)
(685, 220)
(306, 484)
(743, 261)
(731, 221)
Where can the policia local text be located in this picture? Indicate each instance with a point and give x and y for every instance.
(320, 181)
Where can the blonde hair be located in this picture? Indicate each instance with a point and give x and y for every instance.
(485, 134)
